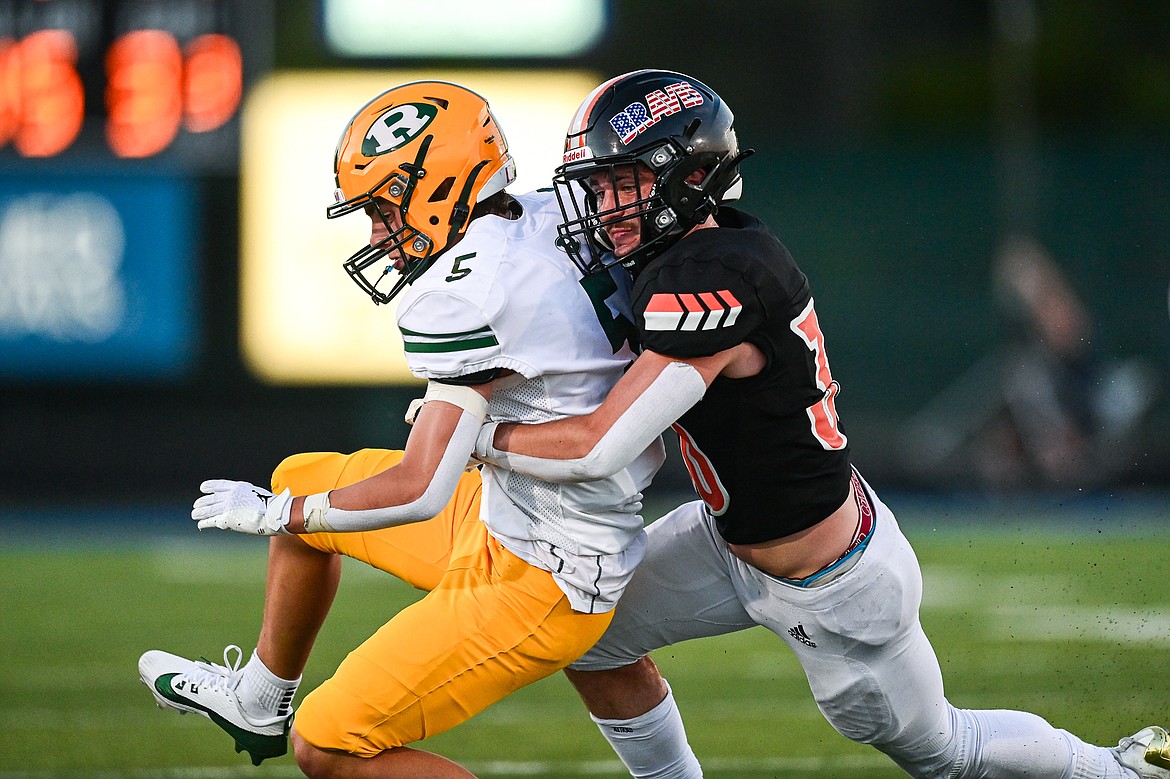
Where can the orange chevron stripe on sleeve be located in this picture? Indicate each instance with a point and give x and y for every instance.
(692, 311)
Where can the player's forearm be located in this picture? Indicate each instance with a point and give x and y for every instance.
(417, 488)
(560, 439)
(531, 450)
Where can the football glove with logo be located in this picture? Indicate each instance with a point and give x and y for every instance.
(242, 507)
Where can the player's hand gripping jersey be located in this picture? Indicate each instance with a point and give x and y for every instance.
(766, 453)
(506, 298)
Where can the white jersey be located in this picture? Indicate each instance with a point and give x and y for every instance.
(506, 297)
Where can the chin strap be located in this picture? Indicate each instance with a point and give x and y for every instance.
(461, 213)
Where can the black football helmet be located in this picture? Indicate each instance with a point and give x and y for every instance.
(659, 121)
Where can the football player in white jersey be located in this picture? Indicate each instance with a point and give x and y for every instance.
(787, 534)
(522, 577)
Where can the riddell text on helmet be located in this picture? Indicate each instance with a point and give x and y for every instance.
(578, 154)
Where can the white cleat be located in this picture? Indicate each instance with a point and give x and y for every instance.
(210, 689)
(1146, 753)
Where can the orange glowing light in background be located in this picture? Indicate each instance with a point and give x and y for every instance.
(153, 88)
(144, 99)
(40, 79)
(213, 83)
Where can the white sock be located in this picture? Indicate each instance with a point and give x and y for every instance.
(991, 744)
(653, 745)
(1093, 762)
(263, 694)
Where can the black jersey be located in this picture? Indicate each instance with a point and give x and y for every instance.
(767, 453)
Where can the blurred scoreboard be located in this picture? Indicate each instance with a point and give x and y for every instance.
(128, 79)
(110, 114)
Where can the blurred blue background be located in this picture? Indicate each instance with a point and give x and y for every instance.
(979, 193)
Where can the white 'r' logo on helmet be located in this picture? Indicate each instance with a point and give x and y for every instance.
(397, 127)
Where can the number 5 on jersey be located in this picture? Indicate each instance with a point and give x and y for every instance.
(458, 270)
(823, 414)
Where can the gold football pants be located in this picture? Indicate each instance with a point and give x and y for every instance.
(489, 624)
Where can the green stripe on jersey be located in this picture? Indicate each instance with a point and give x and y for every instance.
(417, 342)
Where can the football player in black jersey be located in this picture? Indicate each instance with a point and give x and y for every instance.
(786, 533)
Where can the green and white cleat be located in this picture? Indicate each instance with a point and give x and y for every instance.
(1146, 753)
(210, 689)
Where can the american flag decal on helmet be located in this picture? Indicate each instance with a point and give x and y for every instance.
(660, 103)
(686, 311)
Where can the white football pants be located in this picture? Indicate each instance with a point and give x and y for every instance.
(871, 668)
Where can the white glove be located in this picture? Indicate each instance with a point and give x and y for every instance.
(242, 507)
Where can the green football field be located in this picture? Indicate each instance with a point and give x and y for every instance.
(1062, 612)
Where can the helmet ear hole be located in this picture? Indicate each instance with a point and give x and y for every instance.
(685, 187)
(443, 191)
(434, 220)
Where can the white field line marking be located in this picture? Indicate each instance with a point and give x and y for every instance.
(1073, 623)
(1035, 607)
